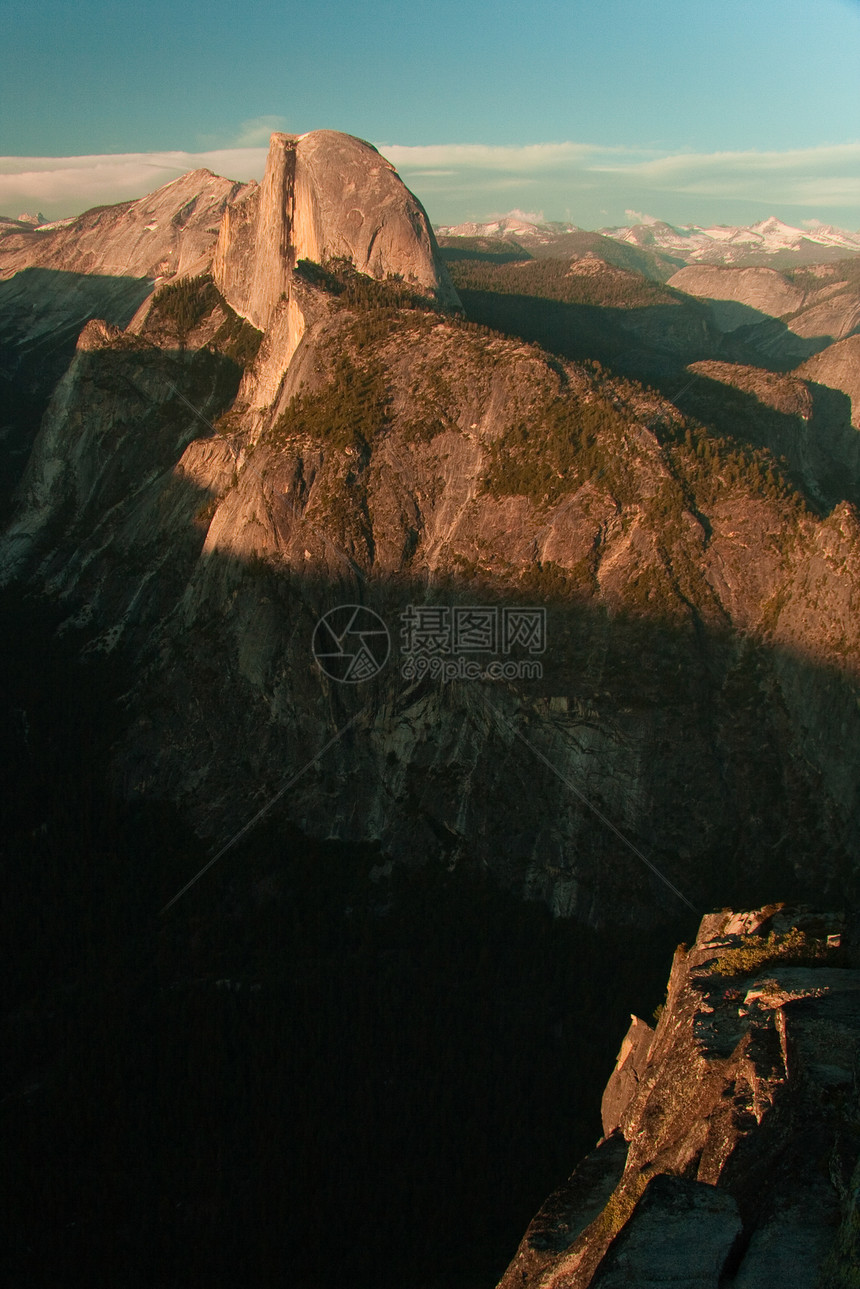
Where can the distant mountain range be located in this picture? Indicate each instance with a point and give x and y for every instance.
(770, 242)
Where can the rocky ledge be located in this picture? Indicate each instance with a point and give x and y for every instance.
(731, 1154)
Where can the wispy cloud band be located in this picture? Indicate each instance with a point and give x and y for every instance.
(67, 185)
(584, 182)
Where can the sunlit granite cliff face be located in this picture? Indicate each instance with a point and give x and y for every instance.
(324, 196)
(103, 264)
(169, 232)
(732, 1147)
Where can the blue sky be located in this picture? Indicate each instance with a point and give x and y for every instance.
(689, 111)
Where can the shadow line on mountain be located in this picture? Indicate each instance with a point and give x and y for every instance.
(42, 313)
(200, 1095)
(304, 1028)
(634, 341)
(657, 654)
(732, 815)
(819, 453)
(305, 1035)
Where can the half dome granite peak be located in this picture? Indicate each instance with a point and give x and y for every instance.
(324, 195)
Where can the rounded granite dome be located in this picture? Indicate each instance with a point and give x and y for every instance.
(325, 195)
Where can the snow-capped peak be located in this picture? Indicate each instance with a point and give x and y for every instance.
(690, 243)
(726, 243)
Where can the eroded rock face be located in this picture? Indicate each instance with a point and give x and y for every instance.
(105, 263)
(680, 1233)
(325, 195)
(170, 232)
(763, 289)
(802, 422)
(786, 316)
(741, 1128)
(203, 490)
(206, 532)
(629, 1069)
(838, 367)
(568, 1212)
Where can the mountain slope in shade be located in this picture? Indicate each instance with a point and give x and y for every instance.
(838, 367)
(402, 454)
(324, 195)
(804, 425)
(102, 264)
(201, 493)
(367, 445)
(810, 307)
(763, 289)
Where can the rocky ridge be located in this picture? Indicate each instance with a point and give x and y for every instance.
(102, 264)
(204, 489)
(231, 544)
(770, 242)
(811, 308)
(202, 492)
(731, 1154)
(769, 239)
(838, 367)
(324, 196)
(803, 417)
(169, 232)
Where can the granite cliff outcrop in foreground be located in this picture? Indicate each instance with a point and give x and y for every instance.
(732, 1148)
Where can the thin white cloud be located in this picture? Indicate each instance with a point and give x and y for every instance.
(468, 181)
(691, 187)
(821, 178)
(828, 175)
(791, 160)
(67, 185)
(480, 156)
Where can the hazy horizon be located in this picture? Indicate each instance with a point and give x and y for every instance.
(469, 183)
(693, 114)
